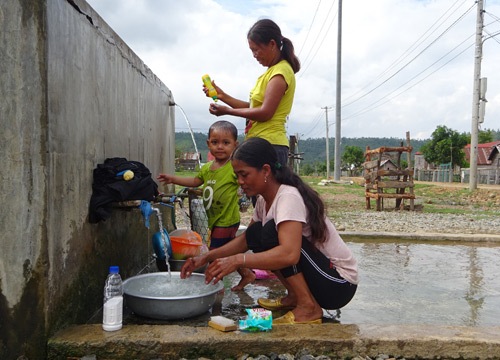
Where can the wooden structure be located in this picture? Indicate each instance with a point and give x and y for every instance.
(388, 183)
(188, 161)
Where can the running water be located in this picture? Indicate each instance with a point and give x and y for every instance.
(191, 132)
(164, 241)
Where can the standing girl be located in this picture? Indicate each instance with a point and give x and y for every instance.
(271, 99)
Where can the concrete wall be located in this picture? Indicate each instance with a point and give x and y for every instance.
(71, 95)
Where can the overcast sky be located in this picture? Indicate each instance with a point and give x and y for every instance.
(407, 65)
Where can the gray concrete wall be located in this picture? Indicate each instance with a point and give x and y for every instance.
(71, 95)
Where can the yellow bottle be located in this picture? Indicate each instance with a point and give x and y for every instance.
(208, 83)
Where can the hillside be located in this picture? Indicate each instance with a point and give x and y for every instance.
(314, 149)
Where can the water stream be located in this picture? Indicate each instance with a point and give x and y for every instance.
(164, 241)
(191, 132)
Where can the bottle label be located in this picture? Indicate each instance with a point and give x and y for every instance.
(112, 314)
(208, 83)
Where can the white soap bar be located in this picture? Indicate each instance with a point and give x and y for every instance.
(222, 323)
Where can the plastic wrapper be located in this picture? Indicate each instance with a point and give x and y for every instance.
(257, 320)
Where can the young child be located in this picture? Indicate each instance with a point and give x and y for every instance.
(220, 190)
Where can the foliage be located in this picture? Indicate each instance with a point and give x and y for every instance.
(352, 158)
(307, 169)
(446, 145)
(433, 197)
(485, 136)
(315, 149)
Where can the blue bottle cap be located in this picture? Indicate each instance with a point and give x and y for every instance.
(114, 269)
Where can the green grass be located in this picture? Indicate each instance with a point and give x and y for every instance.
(433, 197)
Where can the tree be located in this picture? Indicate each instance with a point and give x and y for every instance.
(446, 145)
(352, 158)
(307, 169)
(485, 136)
(319, 167)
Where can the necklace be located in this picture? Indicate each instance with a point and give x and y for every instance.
(212, 167)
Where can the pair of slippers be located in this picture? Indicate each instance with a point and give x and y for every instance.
(288, 318)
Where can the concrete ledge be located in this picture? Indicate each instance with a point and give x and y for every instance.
(333, 340)
(352, 235)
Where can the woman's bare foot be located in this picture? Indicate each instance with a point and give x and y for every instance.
(307, 313)
(289, 301)
(247, 277)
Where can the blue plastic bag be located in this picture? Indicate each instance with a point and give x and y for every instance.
(258, 319)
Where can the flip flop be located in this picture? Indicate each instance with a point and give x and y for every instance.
(263, 274)
(289, 319)
(271, 304)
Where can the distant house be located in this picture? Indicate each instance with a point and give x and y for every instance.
(494, 157)
(387, 164)
(210, 157)
(188, 161)
(488, 162)
(483, 153)
(420, 163)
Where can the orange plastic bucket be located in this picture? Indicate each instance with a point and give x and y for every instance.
(185, 244)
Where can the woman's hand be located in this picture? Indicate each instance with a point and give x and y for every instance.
(218, 110)
(220, 268)
(220, 92)
(192, 264)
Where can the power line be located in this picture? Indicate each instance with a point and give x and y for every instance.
(372, 107)
(407, 52)
(315, 127)
(309, 31)
(316, 39)
(409, 62)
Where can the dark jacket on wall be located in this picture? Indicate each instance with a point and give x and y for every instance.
(109, 186)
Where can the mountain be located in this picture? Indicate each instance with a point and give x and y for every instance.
(314, 149)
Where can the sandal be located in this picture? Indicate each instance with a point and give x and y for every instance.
(271, 304)
(289, 319)
(263, 274)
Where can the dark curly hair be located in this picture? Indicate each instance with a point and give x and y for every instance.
(256, 152)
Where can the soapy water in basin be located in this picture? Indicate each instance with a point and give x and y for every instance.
(160, 287)
(448, 283)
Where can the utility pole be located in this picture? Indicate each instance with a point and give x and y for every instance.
(474, 134)
(326, 108)
(336, 175)
(299, 155)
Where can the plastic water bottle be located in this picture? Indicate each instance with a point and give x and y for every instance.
(112, 313)
(208, 83)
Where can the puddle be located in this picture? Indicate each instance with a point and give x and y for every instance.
(442, 284)
(401, 283)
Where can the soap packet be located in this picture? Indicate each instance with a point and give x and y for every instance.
(258, 319)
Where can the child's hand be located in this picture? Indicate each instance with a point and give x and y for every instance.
(166, 178)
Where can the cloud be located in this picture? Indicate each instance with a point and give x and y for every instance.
(407, 65)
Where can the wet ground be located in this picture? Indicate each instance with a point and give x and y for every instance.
(416, 300)
(440, 283)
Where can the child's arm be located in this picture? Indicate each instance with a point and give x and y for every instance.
(179, 180)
